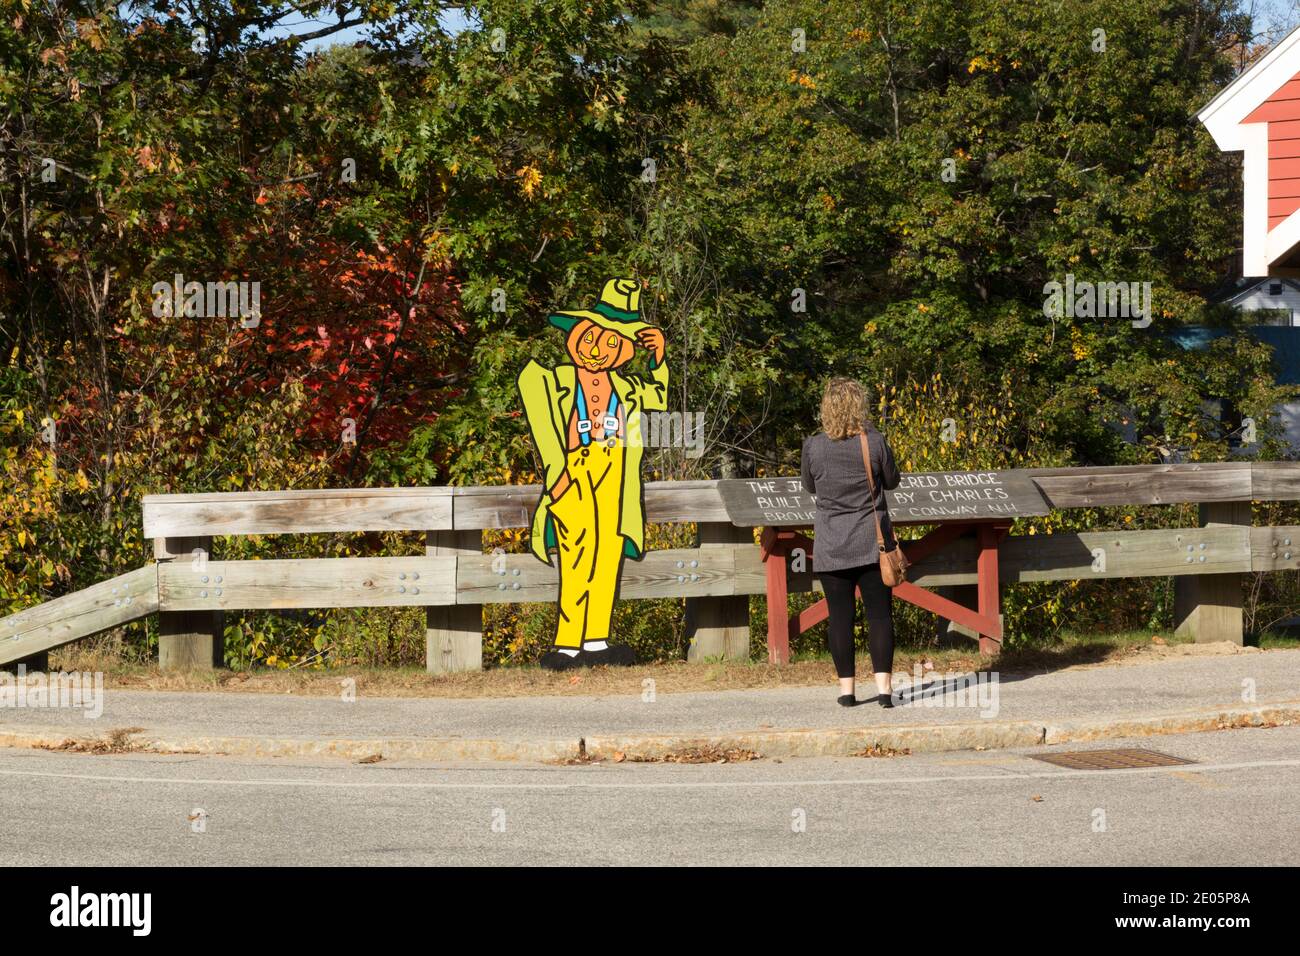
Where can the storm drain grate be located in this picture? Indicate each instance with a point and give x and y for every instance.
(1112, 759)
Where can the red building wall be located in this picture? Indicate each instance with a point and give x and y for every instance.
(1282, 113)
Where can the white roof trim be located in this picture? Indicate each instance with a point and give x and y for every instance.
(1253, 138)
(1222, 116)
(1243, 95)
(1284, 237)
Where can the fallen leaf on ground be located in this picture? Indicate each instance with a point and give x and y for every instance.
(707, 754)
(879, 751)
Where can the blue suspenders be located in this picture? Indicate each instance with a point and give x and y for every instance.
(584, 423)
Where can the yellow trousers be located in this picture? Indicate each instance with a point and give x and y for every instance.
(591, 548)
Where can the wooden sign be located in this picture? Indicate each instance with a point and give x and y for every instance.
(922, 498)
(751, 502)
(930, 496)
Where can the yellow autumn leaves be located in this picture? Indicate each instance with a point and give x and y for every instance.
(932, 426)
(992, 63)
(1079, 350)
(530, 177)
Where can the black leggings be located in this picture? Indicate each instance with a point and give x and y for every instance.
(839, 587)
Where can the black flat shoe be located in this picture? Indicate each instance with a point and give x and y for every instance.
(848, 700)
(620, 655)
(885, 700)
(614, 655)
(555, 661)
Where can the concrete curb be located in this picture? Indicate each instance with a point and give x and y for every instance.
(838, 742)
(1231, 718)
(990, 735)
(428, 748)
(984, 735)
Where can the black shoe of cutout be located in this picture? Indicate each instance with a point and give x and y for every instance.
(620, 655)
(555, 661)
(885, 700)
(848, 700)
(614, 655)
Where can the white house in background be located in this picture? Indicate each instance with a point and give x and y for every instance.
(1276, 323)
(1279, 298)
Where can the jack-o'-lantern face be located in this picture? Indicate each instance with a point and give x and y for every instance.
(597, 349)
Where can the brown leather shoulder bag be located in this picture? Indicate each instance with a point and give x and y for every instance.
(893, 563)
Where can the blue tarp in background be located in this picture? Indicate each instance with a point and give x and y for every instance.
(1285, 340)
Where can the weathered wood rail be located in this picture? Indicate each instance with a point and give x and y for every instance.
(190, 587)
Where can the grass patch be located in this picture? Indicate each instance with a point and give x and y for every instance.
(1276, 641)
(667, 677)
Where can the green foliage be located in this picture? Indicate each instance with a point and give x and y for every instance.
(1062, 160)
(916, 172)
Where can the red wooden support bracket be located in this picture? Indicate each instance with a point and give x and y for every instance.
(778, 608)
(989, 592)
(985, 619)
(775, 545)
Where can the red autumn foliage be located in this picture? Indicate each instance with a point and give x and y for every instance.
(340, 330)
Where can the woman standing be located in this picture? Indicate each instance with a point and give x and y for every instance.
(846, 553)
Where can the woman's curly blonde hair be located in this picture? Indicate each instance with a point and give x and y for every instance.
(844, 408)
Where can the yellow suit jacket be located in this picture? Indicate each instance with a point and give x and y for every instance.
(548, 397)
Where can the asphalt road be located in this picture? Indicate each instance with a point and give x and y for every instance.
(1236, 806)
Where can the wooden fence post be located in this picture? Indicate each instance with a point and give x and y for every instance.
(190, 640)
(719, 626)
(453, 637)
(1209, 607)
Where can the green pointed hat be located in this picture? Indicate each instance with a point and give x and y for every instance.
(618, 310)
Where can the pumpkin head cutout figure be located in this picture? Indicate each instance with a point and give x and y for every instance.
(585, 418)
(596, 349)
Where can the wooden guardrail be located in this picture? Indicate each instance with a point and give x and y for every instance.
(29, 634)
(454, 578)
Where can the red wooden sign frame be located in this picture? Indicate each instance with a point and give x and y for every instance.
(985, 618)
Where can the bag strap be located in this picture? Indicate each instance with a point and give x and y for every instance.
(871, 488)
